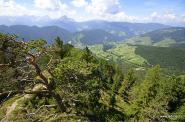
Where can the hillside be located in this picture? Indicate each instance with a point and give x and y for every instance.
(143, 56)
(163, 37)
(85, 37)
(91, 37)
(120, 51)
(34, 32)
(58, 82)
(129, 28)
(171, 58)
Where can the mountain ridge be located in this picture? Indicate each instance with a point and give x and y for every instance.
(72, 25)
(68, 30)
(164, 37)
(33, 32)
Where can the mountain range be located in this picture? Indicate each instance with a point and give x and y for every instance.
(74, 26)
(87, 33)
(34, 32)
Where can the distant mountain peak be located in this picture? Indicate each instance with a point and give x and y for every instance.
(66, 18)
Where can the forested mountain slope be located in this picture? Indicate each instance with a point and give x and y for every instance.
(163, 37)
(58, 82)
(171, 58)
(34, 32)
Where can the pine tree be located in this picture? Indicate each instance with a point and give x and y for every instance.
(127, 84)
(87, 56)
(22, 60)
(145, 96)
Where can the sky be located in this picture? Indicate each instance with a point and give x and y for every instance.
(160, 11)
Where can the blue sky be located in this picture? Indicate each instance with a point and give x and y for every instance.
(163, 11)
(147, 6)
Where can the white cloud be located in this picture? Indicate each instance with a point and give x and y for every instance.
(48, 4)
(79, 3)
(102, 7)
(121, 16)
(52, 8)
(11, 8)
(167, 17)
(110, 10)
(154, 14)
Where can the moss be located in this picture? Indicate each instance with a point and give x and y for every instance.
(6, 104)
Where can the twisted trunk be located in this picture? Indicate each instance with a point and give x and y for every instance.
(59, 102)
(50, 88)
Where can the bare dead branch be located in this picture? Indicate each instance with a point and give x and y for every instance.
(4, 65)
(30, 115)
(8, 93)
